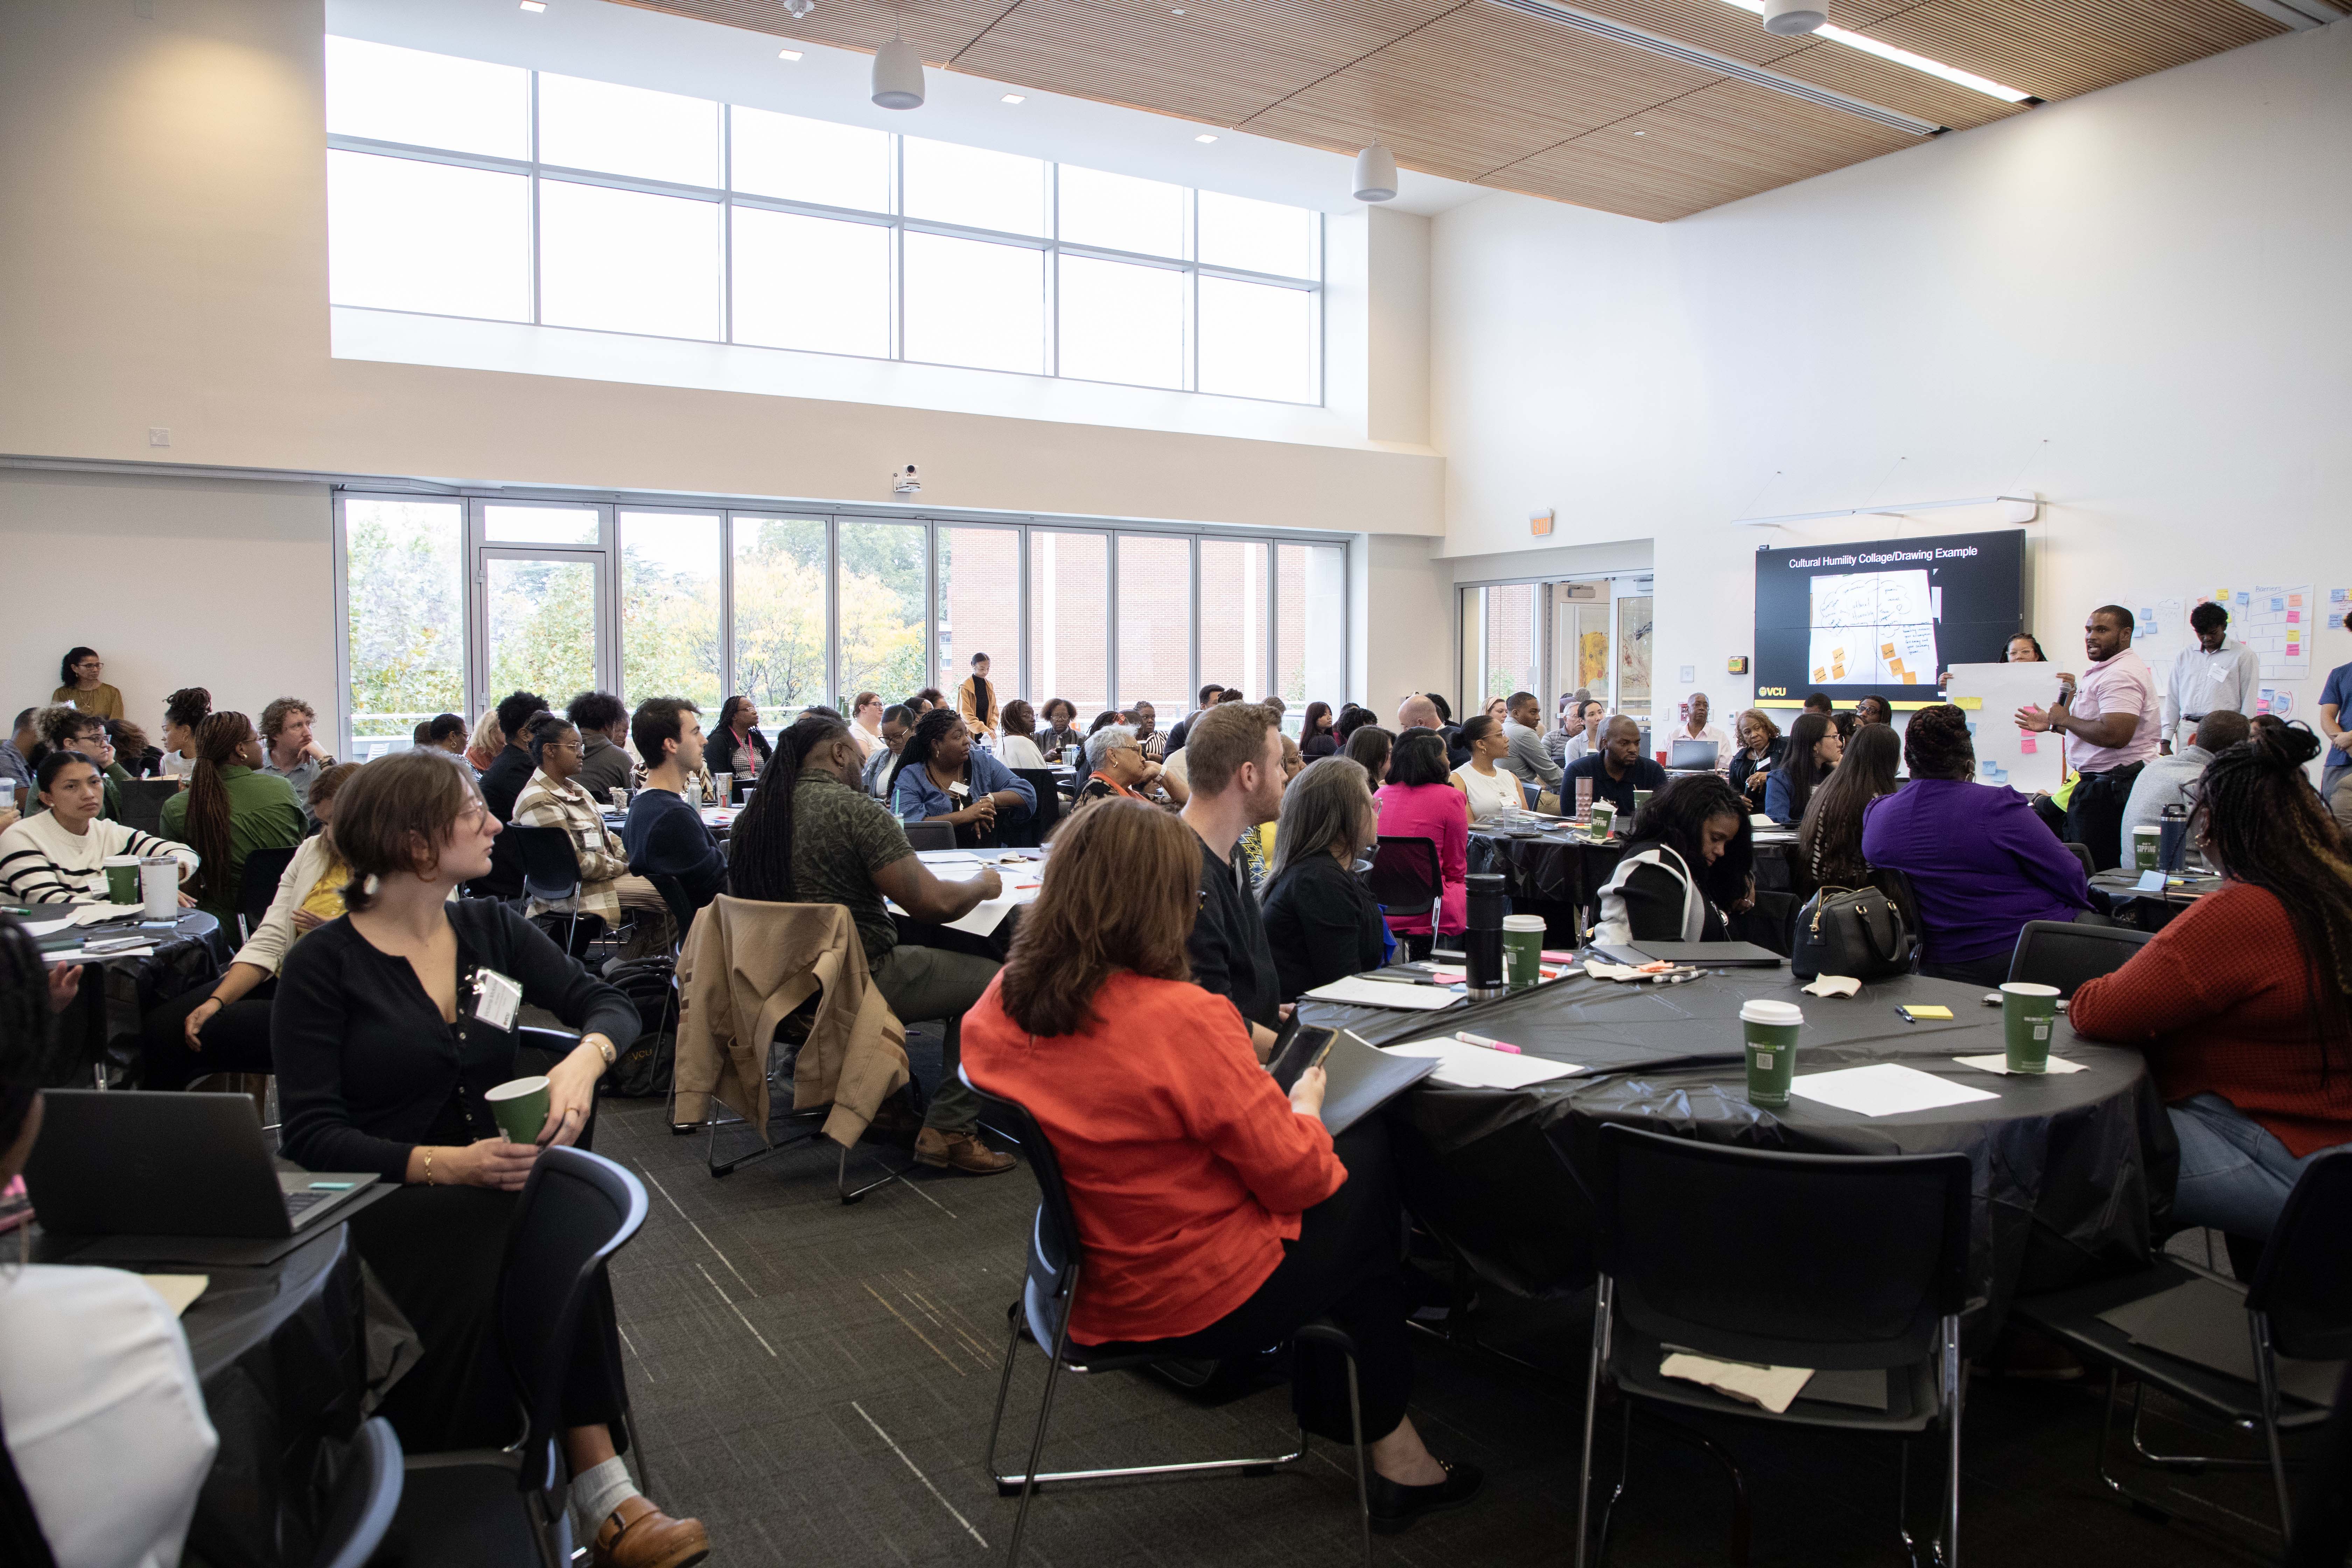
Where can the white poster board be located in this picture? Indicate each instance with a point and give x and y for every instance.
(1990, 695)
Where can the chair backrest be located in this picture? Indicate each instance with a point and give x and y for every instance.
(2062, 953)
(931, 835)
(1824, 1261)
(140, 801)
(1031, 833)
(2304, 1281)
(2083, 852)
(577, 1210)
(551, 867)
(1405, 879)
(256, 885)
(1054, 1237)
(1530, 793)
(673, 893)
(364, 1499)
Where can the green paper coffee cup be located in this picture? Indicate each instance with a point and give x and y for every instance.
(1523, 939)
(1605, 818)
(520, 1106)
(1641, 800)
(2147, 847)
(121, 878)
(1771, 1028)
(2028, 1014)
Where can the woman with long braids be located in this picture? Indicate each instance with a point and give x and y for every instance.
(812, 836)
(941, 777)
(2241, 1003)
(230, 809)
(108, 1442)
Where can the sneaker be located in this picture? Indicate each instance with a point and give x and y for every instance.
(961, 1152)
(1395, 1506)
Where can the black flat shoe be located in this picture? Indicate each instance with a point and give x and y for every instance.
(1395, 1507)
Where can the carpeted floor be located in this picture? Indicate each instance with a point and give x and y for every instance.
(816, 1383)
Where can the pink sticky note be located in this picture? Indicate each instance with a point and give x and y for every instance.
(2025, 741)
(2292, 616)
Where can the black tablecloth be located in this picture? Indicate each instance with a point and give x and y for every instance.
(1569, 869)
(280, 1352)
(116, 994)
(2073, 1173)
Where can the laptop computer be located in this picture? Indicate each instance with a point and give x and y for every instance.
(179, 1178)
(1690, 753)
(1700, 954)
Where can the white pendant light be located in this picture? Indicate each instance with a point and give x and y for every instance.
(1376, 175)
(897, 75)
(1789, 18)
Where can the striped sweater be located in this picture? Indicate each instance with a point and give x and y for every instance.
(42, 863)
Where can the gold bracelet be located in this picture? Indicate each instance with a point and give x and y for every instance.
(428, 1164)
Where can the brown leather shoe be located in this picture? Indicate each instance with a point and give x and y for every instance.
(638, 1535)
(961, 1152)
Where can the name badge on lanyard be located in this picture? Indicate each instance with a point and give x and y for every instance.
(496, 999)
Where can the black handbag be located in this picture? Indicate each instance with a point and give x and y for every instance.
(1854, 931)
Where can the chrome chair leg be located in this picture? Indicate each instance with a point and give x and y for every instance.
(1004, 1392)
(2258, 1326)
(1045, 1414)
(1954, 1394)
(1591, 1398)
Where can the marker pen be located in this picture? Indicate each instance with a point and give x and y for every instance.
(1468, 1038)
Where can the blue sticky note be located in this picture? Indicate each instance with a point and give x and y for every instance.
(2149, 882)
(2278, 603)
(2245, 598)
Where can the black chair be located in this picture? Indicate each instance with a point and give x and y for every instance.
(931, 835)
(1406, 880)
(365, 1496)
(2062, 953)
(505, 1506)
(256, 887)
(2083, 852)
(140, 801)
(1029, 835)
(1853, 1265)
(2298, 1306)
(551, 874)
(1049, 1293)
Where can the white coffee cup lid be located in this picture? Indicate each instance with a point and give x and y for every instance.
(515, 1088)
(1764, 1011)
(1523, 922)
(2027, 988)
(121, 860)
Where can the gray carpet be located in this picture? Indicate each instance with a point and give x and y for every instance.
(814, 1381)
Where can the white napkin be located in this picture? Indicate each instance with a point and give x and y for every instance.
(1773, 1387)
(1998, 1063)
(1834, 985)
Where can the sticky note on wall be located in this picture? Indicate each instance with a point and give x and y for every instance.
(2025, 739)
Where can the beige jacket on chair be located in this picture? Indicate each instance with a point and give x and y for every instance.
(747, 966)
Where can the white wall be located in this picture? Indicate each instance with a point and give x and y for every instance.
(224, 584)
(2126, 302)
(163, 263)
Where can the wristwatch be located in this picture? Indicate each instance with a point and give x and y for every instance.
(605, 1047)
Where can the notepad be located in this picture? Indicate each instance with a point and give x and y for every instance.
(1925, 1012)
(1354, 991)
(1883, 1088)
(1474, 1067)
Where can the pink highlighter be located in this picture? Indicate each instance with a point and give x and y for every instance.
(1470, 1039)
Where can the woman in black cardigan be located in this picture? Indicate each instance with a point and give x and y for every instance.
(736, 747)
(1320, 919)
(390, 1025)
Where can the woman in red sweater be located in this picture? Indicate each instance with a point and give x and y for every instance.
(1215, 1215)
(2241, 1001)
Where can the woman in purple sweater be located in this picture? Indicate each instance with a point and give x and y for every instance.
(1979, 859)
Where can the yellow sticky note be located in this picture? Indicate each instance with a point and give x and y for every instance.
(1973, 704)
(1923, 1010)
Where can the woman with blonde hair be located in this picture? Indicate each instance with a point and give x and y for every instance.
(1215, 1214)
(487, 741)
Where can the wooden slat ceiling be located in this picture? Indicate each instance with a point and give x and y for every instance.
(1475, 92)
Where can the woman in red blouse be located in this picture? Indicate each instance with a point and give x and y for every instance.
(2241, 1001)
(1216, 1215)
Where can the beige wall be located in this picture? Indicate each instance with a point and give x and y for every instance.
(162, 264)
(225, 584)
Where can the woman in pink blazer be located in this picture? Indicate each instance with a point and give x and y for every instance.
(1419, 801)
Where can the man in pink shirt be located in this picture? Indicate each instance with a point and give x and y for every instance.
(2111, 727)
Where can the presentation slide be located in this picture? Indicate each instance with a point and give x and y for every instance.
(1883, 616)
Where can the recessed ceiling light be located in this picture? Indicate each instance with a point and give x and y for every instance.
(788, 54)
(1870, 45)
(534, 5)
(1204, 137)
(1013, 98)
(1640, 133)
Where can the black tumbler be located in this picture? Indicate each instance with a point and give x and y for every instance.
(1482, 943)
(2174, 826)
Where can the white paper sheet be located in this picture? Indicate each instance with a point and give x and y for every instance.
(1476, 1067)
(43, 928)
(1355, 992)
(1999, 1064)
(1883, 1088)
(81, 955)
(179, 1291)
(1773, 1387)
(956, 871)
(986, 917)
(946, 857)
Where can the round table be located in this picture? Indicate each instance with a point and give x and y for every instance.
(1564, 866)
(2073, 1171)
(123, 989)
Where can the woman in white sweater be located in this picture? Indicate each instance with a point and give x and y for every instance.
(59, 855)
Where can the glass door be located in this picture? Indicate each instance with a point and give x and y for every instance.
(542, 577)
